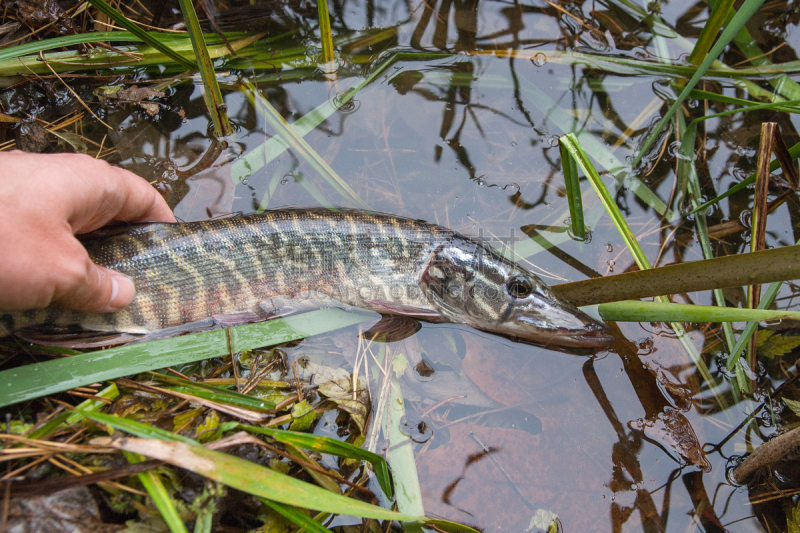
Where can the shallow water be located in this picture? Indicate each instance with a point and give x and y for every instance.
(470, 142)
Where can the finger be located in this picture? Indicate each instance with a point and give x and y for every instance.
(100, 291)
(110, 193)
(142, 202)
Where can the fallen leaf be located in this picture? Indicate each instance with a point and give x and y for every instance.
(772, 344)
(673, 431)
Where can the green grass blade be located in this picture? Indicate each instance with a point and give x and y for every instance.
(139, 429)
(259, 157)
(325, 31)
(300, 146)
(75, 61)
(72, 417)
(629, 238)
(573, 147)
(296, 517)
(794, 153)
(226, 397)
(747, 45)
(745, 12)
(252, 478)
(214, 393)
(766, 300)
(705, 41)
(787, 106)
(158, 493)
(637, 311)
(573, 186)
(688, 173)
(35, 47)
(321, 444)
(49, 377)
(401, 452)
(211, 94)
(123, 21)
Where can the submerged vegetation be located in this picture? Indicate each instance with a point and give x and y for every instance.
(484, 117)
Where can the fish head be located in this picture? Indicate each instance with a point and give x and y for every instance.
(469, 283)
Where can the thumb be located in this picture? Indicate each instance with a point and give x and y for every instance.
(102, 290)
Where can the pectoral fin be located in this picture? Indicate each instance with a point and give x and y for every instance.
(392, 329)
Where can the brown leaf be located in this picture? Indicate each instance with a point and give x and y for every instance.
(673, 431)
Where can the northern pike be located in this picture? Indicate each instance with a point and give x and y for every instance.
(285, 260)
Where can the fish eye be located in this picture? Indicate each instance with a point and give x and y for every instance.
(519, 287)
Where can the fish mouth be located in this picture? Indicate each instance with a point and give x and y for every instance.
(593, 336)
(588, 334)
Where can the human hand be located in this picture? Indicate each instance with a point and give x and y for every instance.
(45, 200)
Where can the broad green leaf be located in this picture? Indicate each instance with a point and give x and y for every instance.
(251, 478)
(322, 444)
(32, 381)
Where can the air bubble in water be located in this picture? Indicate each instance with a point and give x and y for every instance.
(539, 60)
(609, 248)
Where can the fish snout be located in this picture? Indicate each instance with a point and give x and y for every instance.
(565, 325)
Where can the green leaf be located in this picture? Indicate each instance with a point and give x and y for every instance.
(139, 429)
(212, 95)
(296, 516)
(322, 444)
(73, 417)
(794, 405)
(303, 416)
(638, 311)
(205, 430)
(573, 185)
(745, 12)
(775, 345)
(49, 377)
(400, 365)
(123, 21)
(161, 498)
(251, 478)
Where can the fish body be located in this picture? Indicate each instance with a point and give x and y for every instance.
(267, 264)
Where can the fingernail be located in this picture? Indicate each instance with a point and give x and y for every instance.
(122, 291)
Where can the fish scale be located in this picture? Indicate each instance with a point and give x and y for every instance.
(185, 273)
